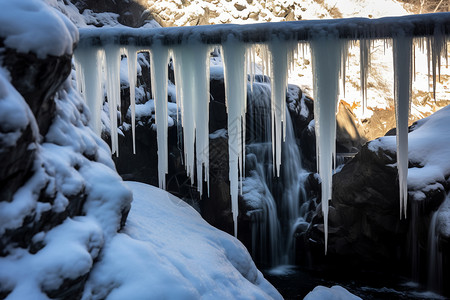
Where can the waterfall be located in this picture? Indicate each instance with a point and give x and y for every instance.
(277, 211)
(434, 253)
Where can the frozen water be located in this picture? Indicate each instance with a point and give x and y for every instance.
(192, 84)
(402, 50)
(234, 58)
(326, 55)
(159, 76)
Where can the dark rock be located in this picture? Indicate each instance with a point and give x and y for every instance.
(37, 80)
(70, 289)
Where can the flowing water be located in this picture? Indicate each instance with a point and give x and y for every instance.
(277, 201)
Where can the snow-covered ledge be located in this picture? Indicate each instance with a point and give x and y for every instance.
(351, 28)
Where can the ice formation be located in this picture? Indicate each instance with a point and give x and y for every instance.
(328, 40)
(402, 50)
(89, 74)
(131, 53)
(326, 54)
(112, 57)
(234, 53)
(159, 75)
(364, 48)
(192, 83)
(282, 55)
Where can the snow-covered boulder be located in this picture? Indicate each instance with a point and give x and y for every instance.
(365, 229)
(166, 250)
(333, 293)
(61, 199)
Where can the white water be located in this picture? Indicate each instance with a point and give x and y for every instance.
(434, 256)
(326, 53)
(159, 59)
(235, 75)
(402, 51)
(191, 67)
(279, 215)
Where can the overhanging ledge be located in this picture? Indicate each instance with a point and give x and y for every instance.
(436, 24)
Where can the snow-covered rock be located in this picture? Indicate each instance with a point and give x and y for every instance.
(333, 293)
(365, 228)
(61, 199)
(166, 250)
(25, 27)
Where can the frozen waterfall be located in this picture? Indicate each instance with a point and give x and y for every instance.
(189, 47)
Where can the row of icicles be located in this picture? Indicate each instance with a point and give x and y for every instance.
(191, 68)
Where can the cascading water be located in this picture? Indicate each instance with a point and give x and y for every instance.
(277, 201)
(435, 272)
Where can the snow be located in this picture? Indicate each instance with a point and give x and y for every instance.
(167, 250)
(333, 293)
(14, 113)
(32, 35)
(61, 171)
(428, 146)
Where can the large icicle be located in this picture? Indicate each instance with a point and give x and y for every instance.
(112, 55)
(89, 75)
(402, 51)
(364, 63)
(234, 53)
(326, 54)
(281, 58)
(131, 53)
(192, 83)
(159, 60)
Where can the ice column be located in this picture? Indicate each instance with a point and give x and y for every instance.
(89, 77)
(402, 51)
(192, 84)
(326, 52)
(281, 57)
(159, 61)
(112, 55)
(131, 53)
(234, 54)
(364, 63)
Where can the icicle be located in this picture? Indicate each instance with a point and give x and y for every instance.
(159, 60)
(326, 55)
(192, 82)
(364, 46)
(437, 45)
(112, 55)
(402, 50)
(89, 72)
(131, 53)
(281, 54)
(233, 53)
